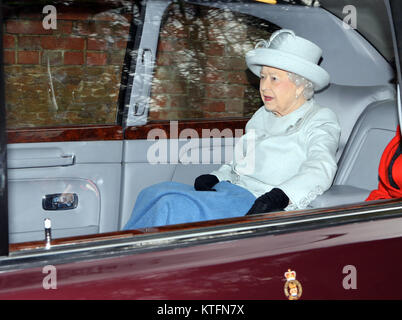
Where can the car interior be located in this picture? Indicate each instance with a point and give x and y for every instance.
(361, 93)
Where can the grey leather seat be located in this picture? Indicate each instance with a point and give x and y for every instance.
(348, 102)
(362, 142)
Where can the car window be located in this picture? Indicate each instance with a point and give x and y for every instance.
(200, 73)
(200, 69)
(63, 62)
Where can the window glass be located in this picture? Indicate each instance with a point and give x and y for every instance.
(64, 66)
(200, 68)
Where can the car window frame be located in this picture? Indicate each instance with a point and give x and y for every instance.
(4, 237)
(142, 65)
(395, 25)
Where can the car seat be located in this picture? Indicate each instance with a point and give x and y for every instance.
(368, 118)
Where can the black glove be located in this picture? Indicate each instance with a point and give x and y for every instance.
(274, 200)
(205, 182)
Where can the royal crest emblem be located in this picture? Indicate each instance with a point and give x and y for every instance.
(293, 289)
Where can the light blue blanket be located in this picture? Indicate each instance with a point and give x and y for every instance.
(172, 203)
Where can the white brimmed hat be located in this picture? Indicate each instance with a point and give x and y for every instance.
(290, 53)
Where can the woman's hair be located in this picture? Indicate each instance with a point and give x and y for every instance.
(308, 90)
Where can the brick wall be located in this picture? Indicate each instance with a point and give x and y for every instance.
(200, 68)
(70, 75)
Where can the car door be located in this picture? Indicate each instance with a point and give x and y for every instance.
(341, 252)
(64, 65)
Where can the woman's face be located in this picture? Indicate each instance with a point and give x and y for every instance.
(279, 94)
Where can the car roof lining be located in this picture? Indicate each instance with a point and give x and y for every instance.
(372, 22)
(347, 56)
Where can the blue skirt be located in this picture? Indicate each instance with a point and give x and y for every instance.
(173, 203)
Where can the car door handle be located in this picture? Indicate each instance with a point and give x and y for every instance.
(37, 158)
(63, 160)
(60, 201)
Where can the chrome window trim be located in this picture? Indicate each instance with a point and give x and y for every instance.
(145, 58)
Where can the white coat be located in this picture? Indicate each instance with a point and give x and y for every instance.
(295, 153)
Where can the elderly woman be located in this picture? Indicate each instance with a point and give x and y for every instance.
(287, 154)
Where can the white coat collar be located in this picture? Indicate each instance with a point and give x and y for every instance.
(279, 125)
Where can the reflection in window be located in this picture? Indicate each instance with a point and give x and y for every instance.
(200, 69)
(70, 75)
